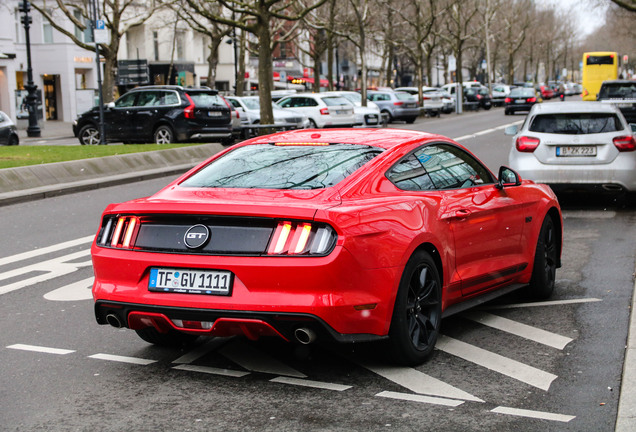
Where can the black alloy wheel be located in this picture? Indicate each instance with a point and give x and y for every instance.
(417, 314)
(89, 135)
(13, 140)
(163, 135)
(545, 261)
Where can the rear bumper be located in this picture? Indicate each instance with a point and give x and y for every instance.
(335, 292)
(617, 175)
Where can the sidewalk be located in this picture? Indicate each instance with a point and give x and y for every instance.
(49, 130)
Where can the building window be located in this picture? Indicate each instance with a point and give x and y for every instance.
(85, 35)
(283, 50)
(155, 42)
(47, 32)
(18, 27)
(180, 45)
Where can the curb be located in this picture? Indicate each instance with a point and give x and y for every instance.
(626, 418)
(40, 181)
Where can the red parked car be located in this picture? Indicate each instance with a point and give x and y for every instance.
(546, 91)
(346, 234)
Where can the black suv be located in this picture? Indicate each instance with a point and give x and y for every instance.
(159, 114)
(623, 94)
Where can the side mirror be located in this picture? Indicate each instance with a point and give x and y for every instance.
(110, 105)
(507, 177)
(511, 130)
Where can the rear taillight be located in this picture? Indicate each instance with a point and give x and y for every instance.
(625, 143)
(508, 100)
(301, 238)
(119, 232)
(527, 144)
(398, 103)
(324, 111)
(188, 112)
(531, 100)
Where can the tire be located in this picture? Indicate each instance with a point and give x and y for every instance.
(417, 314)
(171, 339)
(507, 112)
(312, 124)
(389, 116)
(487, 107)
(543, 276)
(13, 140)
(410, 120)
(163, 135)
(89, 135)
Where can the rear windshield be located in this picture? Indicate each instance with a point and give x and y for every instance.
(522, 92)
(270, 166)
(335, 101)
(576, 124)
(618, 91)
(600, 60)
(403, 96)
(203, 99)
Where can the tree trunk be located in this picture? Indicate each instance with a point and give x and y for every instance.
(240, 79)
(265, 70)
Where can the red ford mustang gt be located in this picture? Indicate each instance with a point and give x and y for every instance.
(353, 235)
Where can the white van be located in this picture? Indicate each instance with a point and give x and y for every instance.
(452, 88)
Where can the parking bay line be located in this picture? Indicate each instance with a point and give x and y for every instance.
(257, 361)
(41, 349)
(420, 398)
(495, 362)
(522, 330)
(419, 382)
(541, 304)
(122, 359)
(533, 414)
(211, 370)
(45, 250)
(486, 131)
(310, 383)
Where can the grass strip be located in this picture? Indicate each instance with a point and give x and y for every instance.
(16, 156)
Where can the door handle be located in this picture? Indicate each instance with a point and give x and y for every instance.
(456, 214)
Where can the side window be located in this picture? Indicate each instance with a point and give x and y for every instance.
(148, 98)
(285, 103)
(127, 100)
(409, 174)
(234, 103)
(169, 98)
(437, 167)
(311, 102)
(385, 97)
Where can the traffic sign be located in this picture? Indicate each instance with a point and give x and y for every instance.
(100, 25)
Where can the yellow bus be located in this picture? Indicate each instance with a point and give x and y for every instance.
(598, 67)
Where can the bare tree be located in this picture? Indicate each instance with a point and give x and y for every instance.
(629, 5)
(119, 16)
(257, 18)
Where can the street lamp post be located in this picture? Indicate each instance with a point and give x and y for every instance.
(32, 100)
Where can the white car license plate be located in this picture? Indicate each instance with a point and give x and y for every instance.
(520, 101)
(576, 151)
(215, 113)
(187, 281)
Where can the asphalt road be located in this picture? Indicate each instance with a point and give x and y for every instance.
(507, 366)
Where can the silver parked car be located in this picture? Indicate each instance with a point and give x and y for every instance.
(397, 105)
(366, 116)
(575, 145)
(249, 108)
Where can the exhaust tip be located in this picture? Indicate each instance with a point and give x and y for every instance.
(113, 320)
(305, 335)
(612, 187)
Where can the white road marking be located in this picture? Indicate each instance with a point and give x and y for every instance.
(420, 398)
(495, 362)
(419, 382)
(41, 349)
(310, 383)
(533, 414)
(45, 250)
(211, 370)
(80, 290)
(487, 131)
(525, 331)
(540, 304)
(122, 359)
(257, 361)
(201, 350)
(50, 269)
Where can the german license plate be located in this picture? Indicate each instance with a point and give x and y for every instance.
(215, 113)
(186, 281)
(576, 151)
(520, 101)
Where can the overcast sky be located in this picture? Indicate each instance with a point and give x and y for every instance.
(585, 12)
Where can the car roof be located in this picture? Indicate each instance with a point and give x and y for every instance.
(574, 107)
(382, 138)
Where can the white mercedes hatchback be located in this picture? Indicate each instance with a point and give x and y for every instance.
(575, 145)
